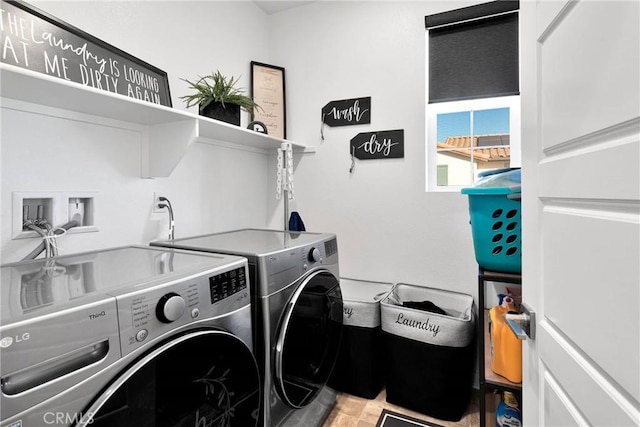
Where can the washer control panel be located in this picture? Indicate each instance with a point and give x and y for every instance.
(170, 307)
(150, 313)
(314, 255)
(226, 284)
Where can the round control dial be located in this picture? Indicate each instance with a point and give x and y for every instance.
(170, 307)
(314, 255)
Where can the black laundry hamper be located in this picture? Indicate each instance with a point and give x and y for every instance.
(430, 356)
(359, 369)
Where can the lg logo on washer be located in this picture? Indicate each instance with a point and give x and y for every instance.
(7, 341)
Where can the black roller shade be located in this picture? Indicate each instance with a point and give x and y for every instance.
(475, 58)
(472, 12)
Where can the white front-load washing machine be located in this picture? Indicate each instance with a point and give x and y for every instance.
(297, 311)
(132, 336)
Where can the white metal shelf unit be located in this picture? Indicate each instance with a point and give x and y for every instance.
(167, 133)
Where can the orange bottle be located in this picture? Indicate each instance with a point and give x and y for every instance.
(506, 348)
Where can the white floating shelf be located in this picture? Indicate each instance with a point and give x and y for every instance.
(170, 131)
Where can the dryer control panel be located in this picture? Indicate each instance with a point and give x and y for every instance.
(153, 312)
(282, 268)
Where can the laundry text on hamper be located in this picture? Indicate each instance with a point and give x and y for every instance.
(431, 327)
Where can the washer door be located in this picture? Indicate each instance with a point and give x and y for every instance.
(309, 339)
(202, 378)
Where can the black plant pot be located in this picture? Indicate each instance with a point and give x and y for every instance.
(229, 113)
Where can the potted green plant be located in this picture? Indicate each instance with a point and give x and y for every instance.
(218, 98)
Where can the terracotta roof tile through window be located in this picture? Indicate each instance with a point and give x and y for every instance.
(460, 145)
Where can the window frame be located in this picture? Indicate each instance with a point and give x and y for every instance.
(431, 132)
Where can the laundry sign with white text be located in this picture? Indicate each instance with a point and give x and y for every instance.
(33, 40)
(386, 144)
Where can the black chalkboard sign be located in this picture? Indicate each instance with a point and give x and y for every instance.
(387, 144)
(36, 41)
(346, 112)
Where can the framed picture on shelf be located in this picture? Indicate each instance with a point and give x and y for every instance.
(268, 91)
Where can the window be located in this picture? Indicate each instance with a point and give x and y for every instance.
(471, 137)
(473, 111)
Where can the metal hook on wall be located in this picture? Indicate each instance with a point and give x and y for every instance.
(353, 159)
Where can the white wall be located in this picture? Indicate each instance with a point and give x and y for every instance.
(212, 189)
(388, 228)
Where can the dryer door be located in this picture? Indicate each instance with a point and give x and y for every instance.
(202, 378)
(309, 338)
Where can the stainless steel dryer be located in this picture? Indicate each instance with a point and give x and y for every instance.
(297, 316)
(132, 336)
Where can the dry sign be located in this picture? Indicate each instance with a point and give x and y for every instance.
(386, 144)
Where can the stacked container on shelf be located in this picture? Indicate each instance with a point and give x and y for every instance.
(494, 208)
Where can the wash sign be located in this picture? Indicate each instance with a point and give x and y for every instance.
(347, 112)
(33, 40)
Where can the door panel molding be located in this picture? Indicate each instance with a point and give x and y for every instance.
(617, 134)
(590, 388)
(608, 172)
(559, 411)
(591, 88)
(591, 275)
(550, 15)
(605, 209)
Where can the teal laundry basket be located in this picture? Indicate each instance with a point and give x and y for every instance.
(494, 208)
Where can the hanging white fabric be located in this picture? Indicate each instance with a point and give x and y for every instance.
(284, 180)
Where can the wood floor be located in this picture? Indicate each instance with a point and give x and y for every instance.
(352, 411)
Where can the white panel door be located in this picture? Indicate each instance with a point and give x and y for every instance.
(581, 212)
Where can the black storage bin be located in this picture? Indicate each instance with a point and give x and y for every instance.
(430, 350)
(359, 369)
